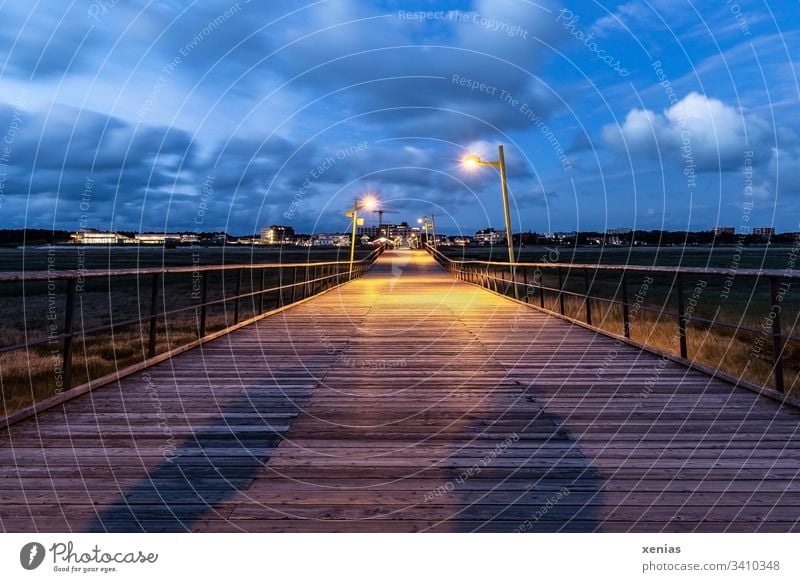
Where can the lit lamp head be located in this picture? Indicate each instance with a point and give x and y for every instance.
(369, 203)
(471, 161)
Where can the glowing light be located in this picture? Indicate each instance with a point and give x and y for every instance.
(369, 203)
(471, 161)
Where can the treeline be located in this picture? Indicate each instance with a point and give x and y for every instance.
(33, 236)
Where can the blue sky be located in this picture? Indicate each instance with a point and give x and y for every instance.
(220, 115)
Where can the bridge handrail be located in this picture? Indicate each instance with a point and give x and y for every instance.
(24, 276)
(485, 274)
(319, 277)
(787, 273)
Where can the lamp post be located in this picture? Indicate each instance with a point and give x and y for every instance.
(367, 204)
(472, 161)
(426, 224)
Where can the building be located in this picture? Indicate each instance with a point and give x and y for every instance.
(718, 230)
(249, 240)
(764, 231)
(370, 231)
(157, 238)
(331, 240)
(401, 235)
(91, 236)
(565, 236)
(619, 231)
(277, 234)
(489, 236)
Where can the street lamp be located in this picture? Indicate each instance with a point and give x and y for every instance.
(429, 223)
(471, 162)
(368, 203)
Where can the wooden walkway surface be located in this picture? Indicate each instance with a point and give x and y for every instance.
(407, 401)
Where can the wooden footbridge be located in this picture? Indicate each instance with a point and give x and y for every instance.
(407, 400)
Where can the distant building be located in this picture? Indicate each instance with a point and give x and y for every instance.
(764, 231)
(562, 236)
(331, 240)
(399, 233)
(156, 238)
(91, 236)
(277, 234)
(249, 240)
(619, 231)
(718, 230)
(489, 236)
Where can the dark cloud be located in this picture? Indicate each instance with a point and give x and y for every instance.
(151, 100)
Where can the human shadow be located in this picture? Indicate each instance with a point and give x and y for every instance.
(206, 469)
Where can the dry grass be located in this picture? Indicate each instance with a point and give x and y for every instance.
(738, 353)
(31, 374)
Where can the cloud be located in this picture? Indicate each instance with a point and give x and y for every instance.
(712, 134)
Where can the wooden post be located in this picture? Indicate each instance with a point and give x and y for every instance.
(560, 291)
(151, 347)
(777, 343)
(68, 329)
(626, 324)
(294, 284)
(587, 297)
(681, 316)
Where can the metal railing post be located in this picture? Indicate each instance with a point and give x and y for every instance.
(237, 293)
(541, 289)
(525, 280)
(777, 344)
(587, 297)
(203, 306)
(626, 324)
(68, 330)
(261, 293)
(681, 316)
(513, 274)
(151, 346)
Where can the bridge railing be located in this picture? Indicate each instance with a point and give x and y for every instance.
(134, 318)
(737, 324)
